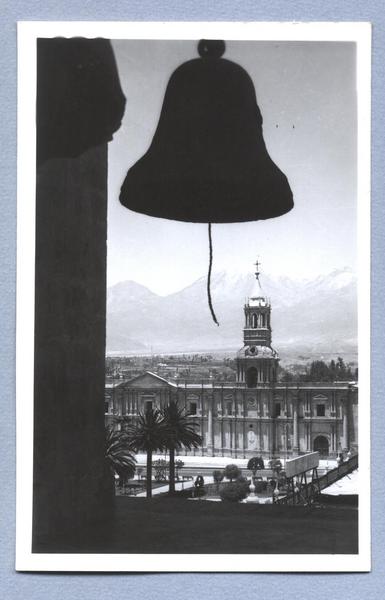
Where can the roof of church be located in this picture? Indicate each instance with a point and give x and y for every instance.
(257, 351)
(141, 375)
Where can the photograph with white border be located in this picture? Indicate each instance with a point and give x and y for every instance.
(193, 297)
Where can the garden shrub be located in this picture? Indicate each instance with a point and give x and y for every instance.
(255, 464)
(275, 464)
(235, 491)
(218, 476)
(197, 492)
(232, 472)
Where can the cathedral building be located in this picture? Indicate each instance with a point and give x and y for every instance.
(256, 415)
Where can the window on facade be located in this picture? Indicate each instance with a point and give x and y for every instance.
(106, 407)
(277, 412)
(148, 405)
(251, 377)
(320, 410)
(193, 408)
(229, 408)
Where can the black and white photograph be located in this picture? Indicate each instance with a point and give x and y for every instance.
(193, 302)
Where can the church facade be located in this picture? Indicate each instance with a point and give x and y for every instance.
(256, 414)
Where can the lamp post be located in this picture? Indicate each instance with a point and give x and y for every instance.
(252, 486)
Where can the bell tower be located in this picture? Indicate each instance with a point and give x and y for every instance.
(257, 361)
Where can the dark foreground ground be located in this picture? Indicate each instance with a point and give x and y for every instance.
(176, 525)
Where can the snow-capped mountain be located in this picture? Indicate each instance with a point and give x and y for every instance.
(318, 315)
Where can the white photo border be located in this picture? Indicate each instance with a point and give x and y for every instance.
(28, 32)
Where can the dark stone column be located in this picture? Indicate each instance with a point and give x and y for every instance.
(70, 484)
(79, 105)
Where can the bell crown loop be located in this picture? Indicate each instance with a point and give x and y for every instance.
(211, 48)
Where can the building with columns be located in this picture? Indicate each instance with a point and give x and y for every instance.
(256, 415)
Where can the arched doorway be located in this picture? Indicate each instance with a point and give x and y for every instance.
(321, 445)
(251, 377)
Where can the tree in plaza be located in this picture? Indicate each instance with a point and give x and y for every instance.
(232, 472)
(148, 435)
(235, 491)
(179, 430)
(218, 477)
(275, 464)
(255, 464)
(118, 453)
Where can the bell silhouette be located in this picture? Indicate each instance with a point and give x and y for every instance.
(208, 162)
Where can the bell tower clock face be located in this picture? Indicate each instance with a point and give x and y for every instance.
(252, 350)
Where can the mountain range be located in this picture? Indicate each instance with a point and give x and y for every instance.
(312, 316)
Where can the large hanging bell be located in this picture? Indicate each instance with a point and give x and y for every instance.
(208, 162)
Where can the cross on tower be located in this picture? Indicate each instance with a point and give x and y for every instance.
(257, 264)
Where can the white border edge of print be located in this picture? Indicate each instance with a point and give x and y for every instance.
(312, 31)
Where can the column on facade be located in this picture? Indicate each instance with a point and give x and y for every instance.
(234, 433)
(235, 412)
(295, 426)
(345, 424)
(210, 448)
(244, 415)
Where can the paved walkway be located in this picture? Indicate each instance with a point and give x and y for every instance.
(219, 462)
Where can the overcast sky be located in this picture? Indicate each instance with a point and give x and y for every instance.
(306, 93)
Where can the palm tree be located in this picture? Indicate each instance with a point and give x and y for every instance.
(148, 435)
(118, 453)
(179, 432)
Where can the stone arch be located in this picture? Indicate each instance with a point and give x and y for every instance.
(321, 445)
(252, 377)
